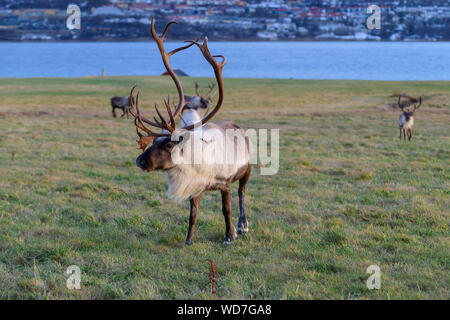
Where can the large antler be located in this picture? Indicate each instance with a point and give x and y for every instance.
(165, 57)
(139, 120)
(408, 101)
(218, 73)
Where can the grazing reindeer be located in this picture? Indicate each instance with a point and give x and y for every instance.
(190, 114)
(406, 119)
(120, 103)
(170, 149)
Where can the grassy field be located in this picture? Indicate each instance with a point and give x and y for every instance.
(348, 194)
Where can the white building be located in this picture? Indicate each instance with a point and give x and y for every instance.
(107, 11)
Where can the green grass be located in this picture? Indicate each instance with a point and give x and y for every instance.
(348, 194)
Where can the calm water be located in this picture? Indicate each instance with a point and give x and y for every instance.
(299, 60)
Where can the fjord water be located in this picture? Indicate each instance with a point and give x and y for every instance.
(298, 60)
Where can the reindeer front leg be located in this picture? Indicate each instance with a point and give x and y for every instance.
(192, 219)
(230, 233)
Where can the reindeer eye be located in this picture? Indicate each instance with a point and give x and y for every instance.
(170, 145)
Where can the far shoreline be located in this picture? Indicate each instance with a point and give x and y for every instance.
(99, 77)
(106, 40)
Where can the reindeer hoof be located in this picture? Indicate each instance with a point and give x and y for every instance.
(242, 228)
(229, 238)
(188, 243)
(228, 241)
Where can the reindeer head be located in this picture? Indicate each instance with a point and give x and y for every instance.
(408, 101)
(201, 101)
(159, 155)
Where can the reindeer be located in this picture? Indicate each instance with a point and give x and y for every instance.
(406, 119)
(120, 103)
(190, 114)
(171, 149)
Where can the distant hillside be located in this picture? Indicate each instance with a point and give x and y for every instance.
(40, 20)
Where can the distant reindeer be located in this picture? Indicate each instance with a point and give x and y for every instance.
(406, 119)
(122, 103)
(190, 114)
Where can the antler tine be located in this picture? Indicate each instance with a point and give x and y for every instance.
(163, 122)
(169, 110)
(166, 28)
(217, 72)
(179, 49)
(196, 84)
(399, 104)
(157, 121)
(131, 101)
(420, 103)
(137, 125)
(133, 106)
(207, 54)
(139, 117)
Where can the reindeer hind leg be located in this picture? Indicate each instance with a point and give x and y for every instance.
(242, 225)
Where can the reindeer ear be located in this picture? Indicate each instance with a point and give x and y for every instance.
(180, 137)
(144, 141)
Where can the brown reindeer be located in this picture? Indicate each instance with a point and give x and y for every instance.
(171, 149)
(406, 119)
